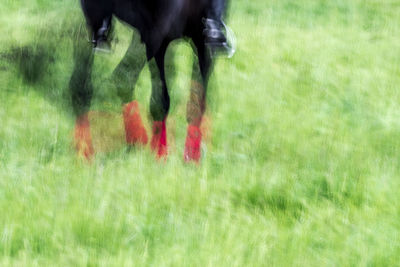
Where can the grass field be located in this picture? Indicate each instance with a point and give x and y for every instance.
(302, 166)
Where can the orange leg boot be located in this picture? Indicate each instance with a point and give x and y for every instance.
(159, 139)
(83, 139)
(192, 144)
(134, 130)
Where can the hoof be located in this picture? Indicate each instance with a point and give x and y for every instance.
(159, 139)
(83, 139)
(135, 132)
(192, 144)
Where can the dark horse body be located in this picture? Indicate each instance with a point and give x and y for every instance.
(159, 22)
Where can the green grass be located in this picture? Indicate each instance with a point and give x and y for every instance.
(302, 167)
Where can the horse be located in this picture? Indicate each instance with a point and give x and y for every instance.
(158, 23)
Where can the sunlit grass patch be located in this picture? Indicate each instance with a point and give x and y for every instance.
(300, 167)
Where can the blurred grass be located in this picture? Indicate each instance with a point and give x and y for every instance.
(302, 167)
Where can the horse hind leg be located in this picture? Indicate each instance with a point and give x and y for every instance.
(81, 93)
(80, 82)
(159, 104)
(197, 102)
(124, 79)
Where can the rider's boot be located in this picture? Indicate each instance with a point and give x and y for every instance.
(102, 38)
(214, 36)
(215, 39)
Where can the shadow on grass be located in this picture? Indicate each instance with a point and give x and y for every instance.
(43, 64)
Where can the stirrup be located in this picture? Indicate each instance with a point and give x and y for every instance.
(230, 41)
(102, 46)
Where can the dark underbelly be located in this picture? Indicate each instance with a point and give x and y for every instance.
(170, 19)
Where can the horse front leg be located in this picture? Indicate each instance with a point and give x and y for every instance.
(159, 103)
(81, 90)
(124, 79)
(197, 102)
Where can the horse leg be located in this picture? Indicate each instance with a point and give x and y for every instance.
(159, 103)
(197, 101)
(124, 79)
(81, 92)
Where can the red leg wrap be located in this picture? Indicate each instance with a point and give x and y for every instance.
(159, 139)
(83, 139)
(192, 145)
(134, 129)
